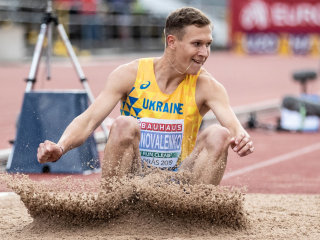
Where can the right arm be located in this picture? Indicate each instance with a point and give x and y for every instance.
(117, 86)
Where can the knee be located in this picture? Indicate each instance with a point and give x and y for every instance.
(217, 137)
(125, 130)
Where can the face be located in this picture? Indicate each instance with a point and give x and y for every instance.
(193, 49)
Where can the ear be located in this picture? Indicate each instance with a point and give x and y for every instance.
(171, 41)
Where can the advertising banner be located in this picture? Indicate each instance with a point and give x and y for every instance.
(276, 26)
(292, 16)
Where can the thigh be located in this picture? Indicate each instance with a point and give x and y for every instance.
(121, 155)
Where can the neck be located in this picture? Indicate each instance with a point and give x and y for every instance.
(168, 67)
(167, 77)
(172, 64)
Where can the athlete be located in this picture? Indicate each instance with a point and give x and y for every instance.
(163, 101)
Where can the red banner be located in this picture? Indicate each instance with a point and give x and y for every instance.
(290, 16)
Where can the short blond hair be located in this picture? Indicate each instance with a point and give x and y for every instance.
(183, 17)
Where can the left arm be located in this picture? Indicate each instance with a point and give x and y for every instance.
(215, 98)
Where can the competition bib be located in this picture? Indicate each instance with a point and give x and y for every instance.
(161, 140)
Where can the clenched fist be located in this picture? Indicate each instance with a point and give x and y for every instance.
(49, 152)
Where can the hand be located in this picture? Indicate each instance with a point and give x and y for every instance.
(49, 152)
(242, 145)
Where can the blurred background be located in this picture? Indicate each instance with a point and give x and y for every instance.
(99, 26)
(116, 26)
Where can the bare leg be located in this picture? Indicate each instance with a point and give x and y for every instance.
(209, 157)
(121, 155)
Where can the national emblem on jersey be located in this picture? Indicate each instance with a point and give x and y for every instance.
(129, 107)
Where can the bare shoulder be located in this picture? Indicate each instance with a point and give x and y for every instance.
(208, 91)
(208, 86)
(126, 71)
(123, 77)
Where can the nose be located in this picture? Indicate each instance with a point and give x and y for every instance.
(204, 51)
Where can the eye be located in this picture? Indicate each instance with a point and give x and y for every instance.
(208, 44)
(197, 44)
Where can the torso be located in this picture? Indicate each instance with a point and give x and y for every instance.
(169, 122)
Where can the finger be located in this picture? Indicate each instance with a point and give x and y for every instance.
(247, 152)
(49, 157)
(47, 142)
(38, 156)
(43, 159)
(232, 142)
(44, 152)
(38, 152)
(41, 145)
(239, 138)
(242, 143)
(48, 146)
(244, 149)
(41, 150)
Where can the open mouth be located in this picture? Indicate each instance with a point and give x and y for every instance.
(197, 61)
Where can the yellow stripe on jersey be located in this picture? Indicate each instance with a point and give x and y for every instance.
(169, 122)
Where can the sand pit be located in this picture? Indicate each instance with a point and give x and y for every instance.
(155, 206)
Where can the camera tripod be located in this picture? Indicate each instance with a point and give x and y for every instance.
(49, 20)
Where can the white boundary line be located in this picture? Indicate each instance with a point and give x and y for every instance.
(5, 194)
(272, 161)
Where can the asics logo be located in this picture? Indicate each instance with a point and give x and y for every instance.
(146, 85)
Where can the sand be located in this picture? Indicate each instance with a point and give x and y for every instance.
(152, 206)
